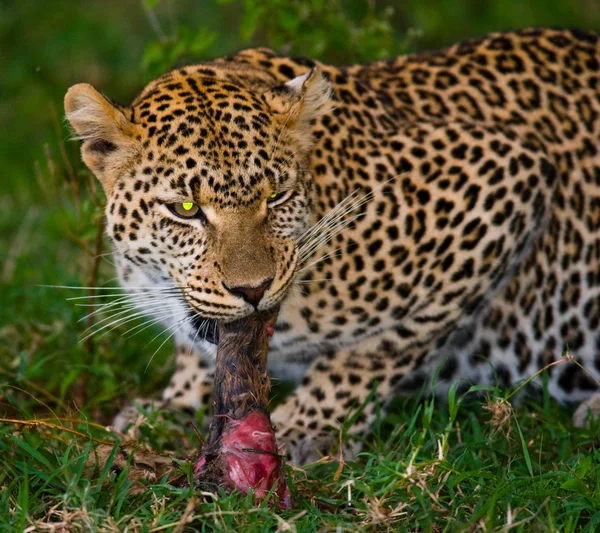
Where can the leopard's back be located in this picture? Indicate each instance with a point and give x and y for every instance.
(539, 89)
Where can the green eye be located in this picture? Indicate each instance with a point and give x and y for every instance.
(278, 198)
(185, 209)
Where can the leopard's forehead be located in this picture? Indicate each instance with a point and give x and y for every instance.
(212, 136)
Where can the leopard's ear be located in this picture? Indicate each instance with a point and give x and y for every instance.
(301, 99)
(109, 138)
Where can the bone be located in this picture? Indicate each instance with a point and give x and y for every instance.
(241, 452)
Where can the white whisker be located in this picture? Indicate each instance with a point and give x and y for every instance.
(147, 324)
(154, 288)
(322, 258)
(307, 281)
(118, 322)
(121, 300)
(333, 223)
(122, 307)
(181, 323)
(327, 235)
(196, 336)
(106, 254)
(129, 306)
(306, 236)
(128, 294)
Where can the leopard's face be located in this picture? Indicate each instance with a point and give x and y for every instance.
(206, 184)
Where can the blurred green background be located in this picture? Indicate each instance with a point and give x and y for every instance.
(49, 216)
(118, 45)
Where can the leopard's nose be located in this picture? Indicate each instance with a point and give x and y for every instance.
(251, 294)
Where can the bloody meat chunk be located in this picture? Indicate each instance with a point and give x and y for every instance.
(241, 452)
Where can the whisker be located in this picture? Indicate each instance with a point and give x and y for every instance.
(122, 303)
(327, 235)
(196, 336)
(118, 322)
(325, 228)
(215, 326)
(182, 323)
(205, 327)
(128, 294)
(334, 222)
(307, 281)
(145, 325)
(121, 298)
(127, 305)
(106, 254)
(124, 296)
(154, 288)
(322, 258)
(324, 220)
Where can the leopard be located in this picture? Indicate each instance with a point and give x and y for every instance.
(419, 221)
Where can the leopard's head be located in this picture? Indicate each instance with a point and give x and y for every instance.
(206, 181)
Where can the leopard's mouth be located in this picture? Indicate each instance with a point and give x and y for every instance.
(206, 329)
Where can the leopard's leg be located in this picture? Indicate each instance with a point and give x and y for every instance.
(350, 384)
(189, 389)
(585, 410)
(191, 386)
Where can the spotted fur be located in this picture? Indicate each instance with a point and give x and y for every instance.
(479, 246)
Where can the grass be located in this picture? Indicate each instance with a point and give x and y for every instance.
(427, 466)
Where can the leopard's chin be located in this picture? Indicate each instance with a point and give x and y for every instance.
(206, 329)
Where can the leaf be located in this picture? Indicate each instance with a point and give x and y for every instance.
(33, 452)
(452, 404)
(524, 446)
(153, 53)
(151, 3)
(68, 380)
(201, 41)
(575, 485)
(583, 466)
(107, 466)
(413, 421)
(289, 20)
(480, 388)
(250, 22)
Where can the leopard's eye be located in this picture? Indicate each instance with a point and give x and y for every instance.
(185, 209)
(277, 198)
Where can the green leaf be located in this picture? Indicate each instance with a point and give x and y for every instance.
(583, 466)
(524, 447)
(32, 451)
(69, 378)
(575, 485)
(452, 404)
(482, 388)
(289, 20)
(250, 23)
(201, 41)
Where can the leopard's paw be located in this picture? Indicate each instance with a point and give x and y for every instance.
(129, 419)
(302, 447)
(591, 406)
(142, 413)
